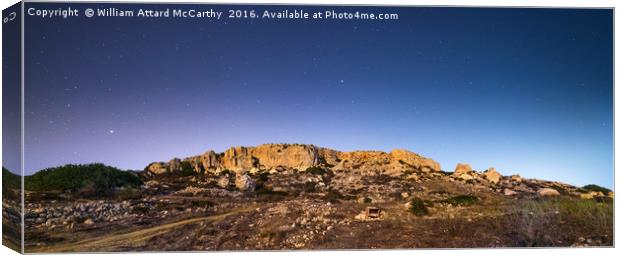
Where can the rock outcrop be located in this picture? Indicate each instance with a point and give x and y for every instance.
(462, 169)
(157, 168)
(548, 192)
(492, 175)
(299, 157)
(245, 183)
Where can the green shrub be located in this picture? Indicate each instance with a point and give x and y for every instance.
(315, 170)
(461, 200)
(11, 185)
(595, 188)
(367, 200)
(334, 196)
(186, 169)
(263, 176)
(128, 194)
(418, 208)
(90, 179)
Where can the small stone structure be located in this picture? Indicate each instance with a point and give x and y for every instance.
(370, 213)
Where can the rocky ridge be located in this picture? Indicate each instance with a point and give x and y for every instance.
(294, 196)
(295, 156)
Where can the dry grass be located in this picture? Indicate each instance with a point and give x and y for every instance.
(561, 222)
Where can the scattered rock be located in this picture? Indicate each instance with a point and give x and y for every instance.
(462, 169)
(244, 183)
(492, 175)
(509, 192)
(223, 182)
(466, 177)
(547, 192)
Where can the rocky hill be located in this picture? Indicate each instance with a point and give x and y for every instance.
(299, 157)
(295, 196)
(273, 158)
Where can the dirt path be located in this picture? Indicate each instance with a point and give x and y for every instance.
(113, 241)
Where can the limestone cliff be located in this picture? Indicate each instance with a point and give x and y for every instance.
(299, 157)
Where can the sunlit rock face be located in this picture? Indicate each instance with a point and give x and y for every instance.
(299, 157)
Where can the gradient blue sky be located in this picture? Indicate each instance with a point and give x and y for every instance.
(526, 91)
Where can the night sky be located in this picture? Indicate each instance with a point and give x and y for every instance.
(526, 91)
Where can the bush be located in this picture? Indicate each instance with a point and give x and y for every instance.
(334, 196)
(128, 194)
(187, 169)
(11, 184)
(263, 177)
(418, 208)
(315, 170)
(461, 200)
(595, 188)
(90, 179)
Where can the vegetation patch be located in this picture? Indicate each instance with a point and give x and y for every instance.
(11, 184)
(418, 208)
(315, 170)
(333, 196)
(85, 180)
(202, 203)
(226, 171)
(541, 222)
(186, 169)
(595, 188)
(262, 177)
(461, 200)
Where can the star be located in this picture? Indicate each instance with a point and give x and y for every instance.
(111, 131)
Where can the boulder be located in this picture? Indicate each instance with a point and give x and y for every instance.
(328, 157)
(516, 178)
(492, 175)
(174, 165)
(157, 168)
(466, 177)
(244, 183)
(589, 195)
(462, 169)
(547, 192)
(509, 192)
(223, 182)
